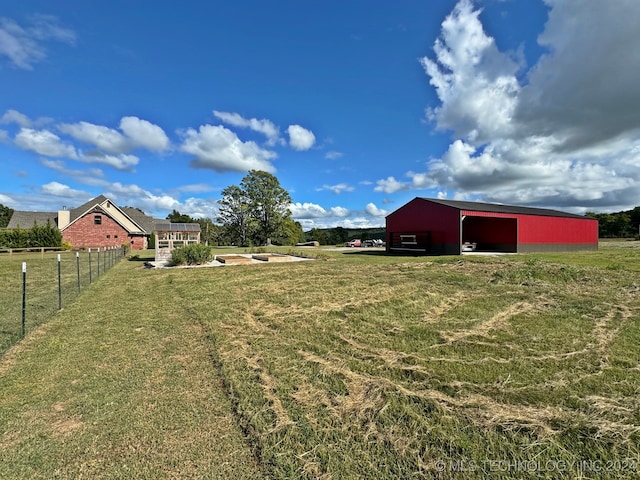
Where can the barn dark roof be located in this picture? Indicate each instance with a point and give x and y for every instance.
(28, 219)
(499, 208)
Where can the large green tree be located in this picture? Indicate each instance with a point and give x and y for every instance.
(234, 215)
(268, 205)
(257, 211)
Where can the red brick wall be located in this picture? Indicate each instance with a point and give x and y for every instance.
(85, 233)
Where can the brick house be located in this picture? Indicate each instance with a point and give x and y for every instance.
(96, 223)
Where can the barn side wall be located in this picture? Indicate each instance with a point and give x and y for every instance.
(539, 233)
(540, 230)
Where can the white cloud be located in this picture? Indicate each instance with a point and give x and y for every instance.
(195, 188)
(333, 155)
(567, 136)
(312, 215)
(199, 207)
(24, 46)
(44, 143)
(144, 134)
(4, 136)
(263, 126)
(121, 162)
(61, 190)
(300, 138)
(390, 185)
(218, 148)
(338, 188)
(136, 133)
(7, 201)
(91, 176)
(301, 211)
(307, 210)
(374, 211)
(13, 116)
(104, 138)
(339, 212)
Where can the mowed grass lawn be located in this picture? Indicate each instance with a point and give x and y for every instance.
(357, 366)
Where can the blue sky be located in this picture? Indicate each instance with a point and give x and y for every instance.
(356, 106)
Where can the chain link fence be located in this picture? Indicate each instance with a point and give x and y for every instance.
(35, 286)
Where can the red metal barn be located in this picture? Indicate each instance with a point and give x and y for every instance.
(441, 227)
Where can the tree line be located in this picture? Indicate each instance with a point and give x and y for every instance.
(625, 224)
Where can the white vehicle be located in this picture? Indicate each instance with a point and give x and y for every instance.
(469, 247)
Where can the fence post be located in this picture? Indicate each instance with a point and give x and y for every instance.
(24, 297)
(89, 265)
(78, 269)
(59, 286)
(104, 259)
(98, 261)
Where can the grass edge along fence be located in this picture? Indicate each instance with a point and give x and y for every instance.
(46, 284)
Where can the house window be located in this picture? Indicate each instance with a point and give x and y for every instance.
(108, 236)
(115, 236)
(97, 219)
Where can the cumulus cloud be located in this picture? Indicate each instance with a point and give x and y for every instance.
(263, 126)
(218, 148)
(312, 210)
(566, 133)
(390, 185)
(136, 133)
(300, 138)
(144, 134)
(374, 211)
(25, 45)
(61, 190)
(312, 215)
(44, 143)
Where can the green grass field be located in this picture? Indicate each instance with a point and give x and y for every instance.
(360, 365)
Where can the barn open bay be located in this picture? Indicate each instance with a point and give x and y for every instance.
(361, 365)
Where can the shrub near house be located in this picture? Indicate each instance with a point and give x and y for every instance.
(196, 254)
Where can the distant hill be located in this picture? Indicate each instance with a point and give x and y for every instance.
(340, 235)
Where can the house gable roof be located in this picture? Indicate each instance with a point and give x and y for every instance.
(106, 206)
(28, 219)
(133, 220)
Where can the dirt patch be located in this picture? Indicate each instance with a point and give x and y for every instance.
(271, 257)
(233, 259)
